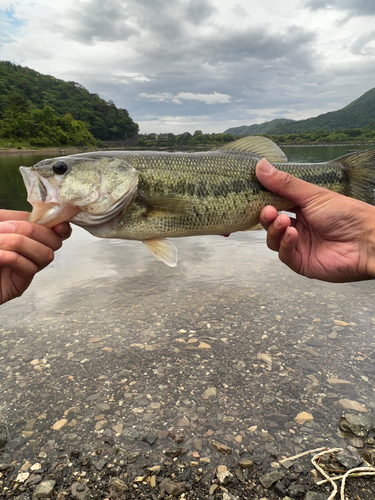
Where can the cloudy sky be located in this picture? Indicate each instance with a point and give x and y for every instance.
(183, 65)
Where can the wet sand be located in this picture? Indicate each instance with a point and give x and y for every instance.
(113, 356)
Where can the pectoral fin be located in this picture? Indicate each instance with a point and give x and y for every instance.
(165, 205)
(163, 250)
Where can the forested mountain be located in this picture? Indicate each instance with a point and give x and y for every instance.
(358, 114)
(105, 121)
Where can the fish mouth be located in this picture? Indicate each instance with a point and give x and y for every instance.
(43, 197)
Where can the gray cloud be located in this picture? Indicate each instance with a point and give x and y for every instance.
(354, 7)
(199, 11)
(100, 21)
(360, 46)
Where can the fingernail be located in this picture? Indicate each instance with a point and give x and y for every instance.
(266, 167)
(7, 227)
(286, 234)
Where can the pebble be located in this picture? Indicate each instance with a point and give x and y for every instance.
(334, 382)
(210, 392)
(358, 425)
(222, 448)
(303, 417)
(173, 488)
(349, 457)
(246, 464)
(224, 477)
(4, 434)
(44, 489)
(60, 424)
(271, 478)
(347, 404)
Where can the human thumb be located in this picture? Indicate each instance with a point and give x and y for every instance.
(300, 192)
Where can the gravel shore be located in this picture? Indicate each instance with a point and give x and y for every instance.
(122, 378)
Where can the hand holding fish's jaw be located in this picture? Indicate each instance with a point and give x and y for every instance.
(49, 215)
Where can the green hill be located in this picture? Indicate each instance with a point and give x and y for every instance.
(357, 114)
(105, 121)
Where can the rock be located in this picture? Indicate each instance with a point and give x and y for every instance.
(271, 478)
(303, 417)
(358, 425)
(222, 448)
(130, 433)
(210, 392)
(349, 457)
(337, 382)
(173, 488)
(338, 322)
(117, 485)
(246, 464)
(133, 457)
(313, 495)
(22, 476)
(347, 404)
(4, 434)
(296, 489)
(356, 442)
(314, 342)
(177, 435)
(80, 491)
(228, 496)
(213, 488)
(150, 439)
(280, 489)
(224, 477)
(287, 464)
(368, 455)
(57, 426)
(44, 490)
(306, 366)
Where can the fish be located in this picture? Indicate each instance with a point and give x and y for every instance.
(153, 196)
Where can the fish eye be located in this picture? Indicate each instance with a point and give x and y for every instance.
(60, 167)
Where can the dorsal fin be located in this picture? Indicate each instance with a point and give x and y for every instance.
(261, 146)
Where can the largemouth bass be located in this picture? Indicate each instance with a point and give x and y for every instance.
(151, 196)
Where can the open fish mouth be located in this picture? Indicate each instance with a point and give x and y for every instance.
(43, 197)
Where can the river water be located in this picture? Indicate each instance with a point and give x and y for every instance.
(230, 345)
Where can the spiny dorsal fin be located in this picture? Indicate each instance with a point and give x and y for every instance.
(261, 146)
(163, 250)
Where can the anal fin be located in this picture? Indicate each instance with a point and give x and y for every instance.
(163, 250)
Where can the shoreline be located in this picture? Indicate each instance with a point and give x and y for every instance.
(53, 151)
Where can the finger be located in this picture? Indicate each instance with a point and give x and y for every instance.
(276, 231)
(13, 215)
(287, 252)
(21, 266)
(300, 192)
(30, 249)
(32, 231)
(63, 230)
(267, 216)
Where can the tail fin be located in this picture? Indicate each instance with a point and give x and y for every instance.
(360, 168)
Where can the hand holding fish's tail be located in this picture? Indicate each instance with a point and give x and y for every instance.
(332, 237)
